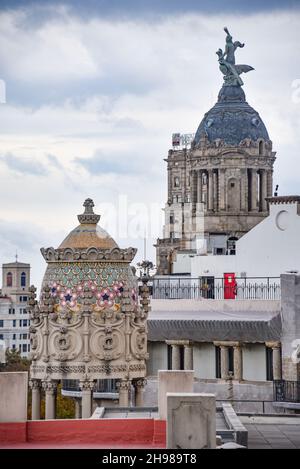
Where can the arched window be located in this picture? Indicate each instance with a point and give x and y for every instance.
(260, 147)
(9, 279)
(176, 182)
(23, 279)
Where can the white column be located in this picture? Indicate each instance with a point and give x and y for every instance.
(224, 362)
(188, 357)
(263, 190)
(139, 386)
(199, 187)
(35, 385)
(254, 207)
(86, 400)
(238, 362)
(210, 190)
(215, 190)
(221, 189)
(270, 183)
(244, 190)
(276, 362)
(175, 357)
(50, 388)
(124, 389)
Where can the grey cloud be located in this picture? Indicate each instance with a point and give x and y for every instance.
(115, 163)
(53, 160)
(23, 165)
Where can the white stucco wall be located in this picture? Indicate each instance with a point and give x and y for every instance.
(182, 264)
(254, 362)
(268, 250)
(158, 357)
(204, 361)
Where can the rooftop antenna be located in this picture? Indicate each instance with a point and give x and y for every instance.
(276, 191)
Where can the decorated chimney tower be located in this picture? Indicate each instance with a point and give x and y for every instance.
(88, 324)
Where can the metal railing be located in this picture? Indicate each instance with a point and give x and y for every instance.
(101, 385)
(286, 391)
(241, 288)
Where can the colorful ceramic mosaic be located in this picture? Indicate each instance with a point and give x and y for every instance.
(106, 281)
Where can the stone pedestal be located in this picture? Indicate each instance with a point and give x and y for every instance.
(139, 386)
(172, 381)
(191, 421)
(124, 387)
(50, 388)
(86, 400)
(13, 396)
(35, 399)
(188, 357)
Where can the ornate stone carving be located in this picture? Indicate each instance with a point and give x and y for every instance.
(35, 383)
(65, 369)
(87, 385)
(49, 386)
(139, 383)
(124, 385)
(135, 367)
(92, 254)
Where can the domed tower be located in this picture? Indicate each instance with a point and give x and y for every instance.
(217, 189)
(88, 325)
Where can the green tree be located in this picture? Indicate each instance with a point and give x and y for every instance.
(14, 361)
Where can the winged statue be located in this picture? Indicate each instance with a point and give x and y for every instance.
(227, 64)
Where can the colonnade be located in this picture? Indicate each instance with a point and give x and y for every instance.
(83, 404)
(237, 347)
(255, 186)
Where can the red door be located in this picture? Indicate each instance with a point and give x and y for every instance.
(229, 286)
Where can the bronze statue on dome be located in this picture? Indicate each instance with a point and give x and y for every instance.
(227, 66)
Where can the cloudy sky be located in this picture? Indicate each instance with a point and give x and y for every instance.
(94, 91)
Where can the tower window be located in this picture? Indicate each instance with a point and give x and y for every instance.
(260, 147)
(176, 182)
(9, 279)
(232, 184)
(23, 279)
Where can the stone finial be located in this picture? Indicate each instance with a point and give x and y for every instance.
(88, 216)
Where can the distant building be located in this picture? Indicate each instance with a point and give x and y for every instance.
(268, 250)
(217, 188)
(14, 320)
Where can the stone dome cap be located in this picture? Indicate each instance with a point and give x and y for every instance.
(88, 233)
(231, 119)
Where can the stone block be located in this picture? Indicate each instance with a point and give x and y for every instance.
(172, 381)
(14, 395)
(191, 421)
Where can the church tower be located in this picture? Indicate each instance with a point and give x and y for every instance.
(217, 189)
